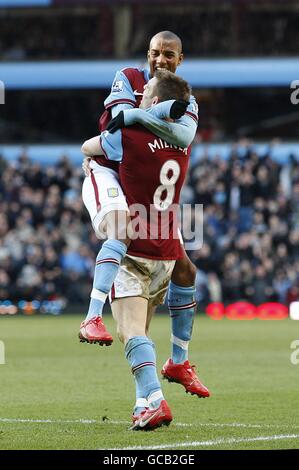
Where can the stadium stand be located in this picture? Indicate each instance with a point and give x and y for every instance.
(241, 57)
(211, 29)
(251, 230)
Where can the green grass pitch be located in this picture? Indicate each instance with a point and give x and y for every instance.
(57, 393)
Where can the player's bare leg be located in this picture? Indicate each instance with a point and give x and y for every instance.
(151, 410)
(130, 314)
(150, 313)
(184, 272)
(182, 307)
(115, 227)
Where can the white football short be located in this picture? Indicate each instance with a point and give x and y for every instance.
(101, 194)
(142, 277)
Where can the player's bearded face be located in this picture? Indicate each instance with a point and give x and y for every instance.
(164, 55)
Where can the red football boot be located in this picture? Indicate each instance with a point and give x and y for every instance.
(137, 417)
(185, 375)
(152, 419)
(94, 331)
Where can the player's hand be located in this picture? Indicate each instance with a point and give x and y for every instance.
(85, 166)
(116, 123)
(178, 109)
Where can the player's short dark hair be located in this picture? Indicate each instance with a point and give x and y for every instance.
(171, 87)
(169, 36)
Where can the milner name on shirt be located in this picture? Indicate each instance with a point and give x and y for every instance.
(159, 144)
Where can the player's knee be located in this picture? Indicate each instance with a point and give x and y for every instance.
(117, 223)
(122, 234)
(85, 149)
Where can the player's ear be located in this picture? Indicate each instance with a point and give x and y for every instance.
(155, 100)
(148, 55)
(181, 58)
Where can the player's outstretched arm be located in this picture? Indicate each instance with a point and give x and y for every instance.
(181, 133)
(116, 109)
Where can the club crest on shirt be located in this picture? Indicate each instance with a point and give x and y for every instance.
(117, 86)
(112, 192)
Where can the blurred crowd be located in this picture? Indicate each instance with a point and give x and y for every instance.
(90, 33)
(251, 230)
(48, 39)
(47, 248)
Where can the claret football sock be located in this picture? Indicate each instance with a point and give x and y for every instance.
(140, 354)
(107, 264)
(181, 304)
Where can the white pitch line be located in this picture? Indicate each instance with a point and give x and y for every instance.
(110, 421)
(216, 442)
(244, 425)
(60, 421)
(171, 445)
(76, 421)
